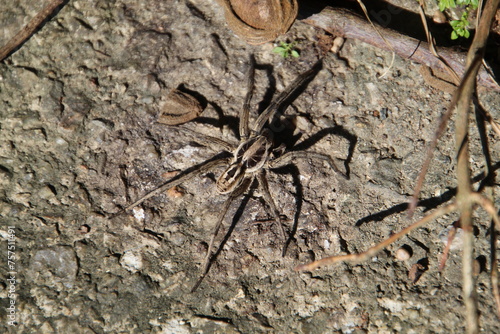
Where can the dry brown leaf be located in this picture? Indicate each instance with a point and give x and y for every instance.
(179, 108)
(259, 21)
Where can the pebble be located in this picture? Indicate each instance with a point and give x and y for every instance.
(404, 253)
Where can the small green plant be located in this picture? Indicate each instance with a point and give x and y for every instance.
(287, 49)
(459, 26)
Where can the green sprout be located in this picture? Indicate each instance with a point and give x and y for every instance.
(286, 50)
(459, 26)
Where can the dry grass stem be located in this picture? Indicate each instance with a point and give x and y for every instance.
(360, 257)
(389, 45)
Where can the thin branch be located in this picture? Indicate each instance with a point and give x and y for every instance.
(495, 285)
(360, 257)
(29, 29)
(469, 75)
(464, 193)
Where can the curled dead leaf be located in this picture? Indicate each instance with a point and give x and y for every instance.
(179, 108)
(175, 192)
(259, 21)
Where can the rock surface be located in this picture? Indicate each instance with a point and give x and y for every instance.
(79, 140)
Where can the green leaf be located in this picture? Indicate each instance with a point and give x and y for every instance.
(286, 49)
(444, 4)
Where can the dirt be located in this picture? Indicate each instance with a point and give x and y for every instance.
(79, 141)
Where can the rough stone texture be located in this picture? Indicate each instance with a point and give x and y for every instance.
(79, 140)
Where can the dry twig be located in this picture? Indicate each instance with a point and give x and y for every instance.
(29, 29)
(465, 197)
(360, 257)
(446, 117)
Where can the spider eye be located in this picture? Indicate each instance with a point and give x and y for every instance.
(231, 178)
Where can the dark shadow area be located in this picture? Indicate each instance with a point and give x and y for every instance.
(481, 121)
(231, 121)
(284, 100)
(281, 125)
(217, 123)
(270, 90)
(201, 99)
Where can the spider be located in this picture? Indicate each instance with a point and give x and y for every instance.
(250, 160)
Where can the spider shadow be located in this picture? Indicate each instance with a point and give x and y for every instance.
(271, 88)
(337, 130)
(236, 217)
(299, 196)
(293, 170)
(220, 121)
(232, 121)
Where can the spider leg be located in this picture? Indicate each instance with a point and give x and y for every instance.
(261, 176)
(176, 180)
(288, 157)
(206, 140)
(243, 128)
(269, 113)
(209, 259)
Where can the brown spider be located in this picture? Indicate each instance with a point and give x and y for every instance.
(250, 160)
